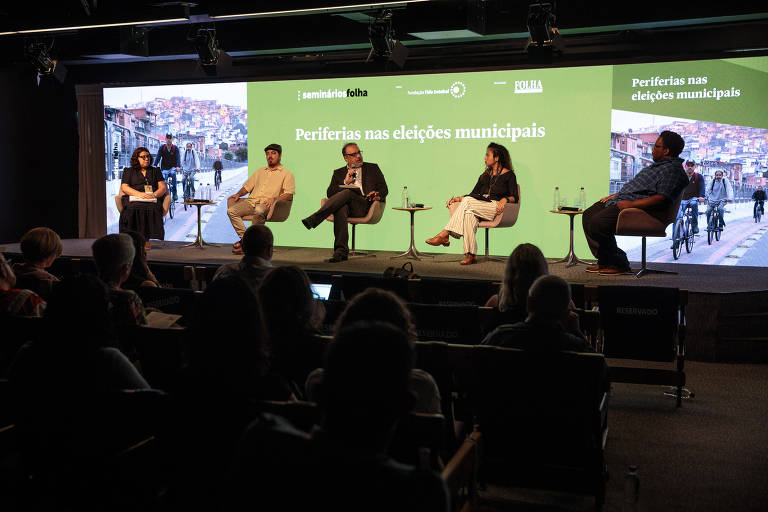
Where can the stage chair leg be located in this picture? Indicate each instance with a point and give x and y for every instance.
(353, 252)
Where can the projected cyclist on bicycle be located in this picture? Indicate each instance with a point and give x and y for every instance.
(719, 192)
(693, 194)
(758, 196)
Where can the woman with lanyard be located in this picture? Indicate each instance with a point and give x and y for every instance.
(144, 188)
(495, 187)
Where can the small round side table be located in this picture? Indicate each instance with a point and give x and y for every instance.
(412, 252)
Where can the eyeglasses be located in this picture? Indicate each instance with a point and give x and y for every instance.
(144, 156)
(357, 153)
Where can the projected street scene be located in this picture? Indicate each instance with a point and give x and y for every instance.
(739, 152)
(210, 119)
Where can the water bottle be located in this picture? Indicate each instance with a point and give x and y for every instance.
(631, 490)
(582, 199)
(208, 192)
(405, 197)
(556, 202)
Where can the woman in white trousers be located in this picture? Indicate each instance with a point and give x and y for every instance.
(495, 187)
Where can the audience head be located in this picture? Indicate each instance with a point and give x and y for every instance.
(377, 304)
(549, 298)
(7, 277)
(228, 335)
(286, 299)
(113, 255)
(258, 242)
(41, 246)
(366, 384)
(79, 308)
(673, 142)
(524, 265)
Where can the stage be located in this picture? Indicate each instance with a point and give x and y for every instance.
(726, 304)
(705, 279)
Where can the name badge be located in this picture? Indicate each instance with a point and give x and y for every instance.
(148, 189)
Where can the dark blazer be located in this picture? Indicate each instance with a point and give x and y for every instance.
(373, 180)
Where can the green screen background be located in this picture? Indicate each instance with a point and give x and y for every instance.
(574, 108)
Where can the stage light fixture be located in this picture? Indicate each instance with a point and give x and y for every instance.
(384, 43)
(207, 47)
(541, 21)
(39, 55)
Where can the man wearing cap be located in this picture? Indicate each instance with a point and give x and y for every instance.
(265, 186)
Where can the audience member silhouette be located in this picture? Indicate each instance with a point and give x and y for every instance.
(375, 304)
(525, 264)
(551, 324)
(292, 318)
(77, 348)
(257, 247)
(343, 464)
(40, 248)
(217, 394)
(140, 274)
(16, 301)
(113, 256)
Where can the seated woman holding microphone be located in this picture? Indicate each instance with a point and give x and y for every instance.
(495, 187)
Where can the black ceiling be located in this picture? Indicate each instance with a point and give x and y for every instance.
(490, 33)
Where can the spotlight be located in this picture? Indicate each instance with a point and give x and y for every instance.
(207, 46)
(39, 55)
(384, 46)
(540, 23)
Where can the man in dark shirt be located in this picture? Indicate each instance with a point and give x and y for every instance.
(759, 196)
(551, 324)
(693, 194)
(352, 190)
(168, 157)
(651, 190)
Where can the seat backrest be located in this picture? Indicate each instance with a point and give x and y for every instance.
(639, 322)
(539, 408)
(453, 324)
(176, 301)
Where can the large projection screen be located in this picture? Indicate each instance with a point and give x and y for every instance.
(589, 127)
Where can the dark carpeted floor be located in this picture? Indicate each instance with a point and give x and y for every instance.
(709, 455)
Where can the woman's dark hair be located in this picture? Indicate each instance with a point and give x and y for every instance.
(228, 335)
(140, 268)
(135, 157)
(286, 300)
(502, 154)
(524, 266)
(377, 304)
